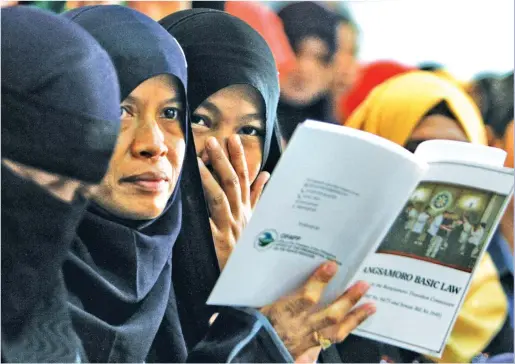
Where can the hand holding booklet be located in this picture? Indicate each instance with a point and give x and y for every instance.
(414, 226)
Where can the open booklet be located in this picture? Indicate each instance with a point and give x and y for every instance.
(412, 225)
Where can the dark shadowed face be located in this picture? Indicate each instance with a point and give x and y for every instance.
(63, 188)
(149, 153)
(436, 127)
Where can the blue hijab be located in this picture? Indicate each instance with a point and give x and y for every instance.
(119, 272)
(60, 114)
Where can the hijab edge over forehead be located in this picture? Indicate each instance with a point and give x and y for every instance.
(176, 67)
(125, 266)
(394, 108)
(253, 66)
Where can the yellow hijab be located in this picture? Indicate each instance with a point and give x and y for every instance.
(393, 110)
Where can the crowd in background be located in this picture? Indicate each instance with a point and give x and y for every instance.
(315, 49)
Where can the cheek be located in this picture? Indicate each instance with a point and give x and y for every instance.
(120, 155)
(177, 151)
(199, 139)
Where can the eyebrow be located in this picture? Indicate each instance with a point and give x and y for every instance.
(134, 100)
(209, 106)
(252, 117)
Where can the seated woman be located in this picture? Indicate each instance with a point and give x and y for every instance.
(122, 288)
(418, 106)
(53, 155)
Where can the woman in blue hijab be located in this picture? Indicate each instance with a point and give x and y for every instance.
(60, 122)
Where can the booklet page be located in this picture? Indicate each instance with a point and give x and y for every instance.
(334, 190)
(421, 271)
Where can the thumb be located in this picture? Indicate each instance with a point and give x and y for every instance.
(309, 356)
(257, 188)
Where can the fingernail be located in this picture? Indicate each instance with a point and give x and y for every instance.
(212, 143)
(362, 287)
(371, 309)
(199, 161)
(330, 268)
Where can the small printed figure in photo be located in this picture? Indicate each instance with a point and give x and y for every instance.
(444, 224)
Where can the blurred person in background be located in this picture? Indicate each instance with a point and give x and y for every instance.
(311, 29)
(371, 75)
(345, 65)
(418, 106)
(494, 97)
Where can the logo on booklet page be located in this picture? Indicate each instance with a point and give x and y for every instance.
(265, 239)
(442, 200)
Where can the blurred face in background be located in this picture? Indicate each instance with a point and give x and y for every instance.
(312, 75)
(345, 65)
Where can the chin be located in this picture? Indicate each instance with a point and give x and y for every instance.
(142, 210)
(150, 211)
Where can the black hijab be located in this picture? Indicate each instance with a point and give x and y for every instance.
(222, 50)
(119, 273)
(60, 114)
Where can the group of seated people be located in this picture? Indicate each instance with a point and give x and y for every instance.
(133, 155)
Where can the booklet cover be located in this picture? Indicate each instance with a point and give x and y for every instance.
(414, 226)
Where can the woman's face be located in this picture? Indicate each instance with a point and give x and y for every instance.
(436, 127)
(312, 75)
(149, 153)
(62, 188)
(237, 109)
(345, 64)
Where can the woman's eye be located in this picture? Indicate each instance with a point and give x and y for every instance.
(171, 113)
(251, 131)
(200, 121)
(124, 112)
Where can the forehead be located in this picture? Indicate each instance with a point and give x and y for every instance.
(313, 45)
(439, 127)
(157, 85)
(240, 95)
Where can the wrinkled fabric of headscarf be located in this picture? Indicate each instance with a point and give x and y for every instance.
(119, 272)
(371, 75)
(394, 108)
(392, 111)
(221, 50)
(60, 114)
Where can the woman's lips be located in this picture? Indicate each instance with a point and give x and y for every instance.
(150, 181)
(151, 186)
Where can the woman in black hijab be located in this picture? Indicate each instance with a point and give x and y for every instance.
(305, 94)
(121, 285)
(232, 94)
(60, 121)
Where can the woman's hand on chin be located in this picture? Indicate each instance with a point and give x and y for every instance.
(305, 327)
(229, 193)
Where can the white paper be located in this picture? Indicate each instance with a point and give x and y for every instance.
(416, 293)
(324, 201)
